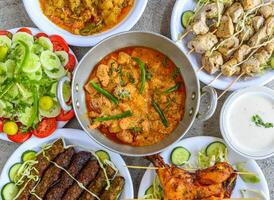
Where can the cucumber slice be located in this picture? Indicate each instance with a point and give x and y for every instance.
(66, 90)
(103, 155)
(37, 76)
(63, 56)
(149, 190)
(33, 64)
(2, 108)
(5, 40)
(214, 148)
(25, 37)
(28, 155)
(272, 62)
(37, 48)
(45, 43)
(9, 191)
(3, 52)
(13, 172)
(25, 116)
(11, 65)
(56, 73)
(53, 112)
(186, 18)
(3, 72)
(179, 156)
(50, 60)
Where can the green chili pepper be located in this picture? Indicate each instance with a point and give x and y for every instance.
(119, 116)
(172, 89)
(160, 112)
(26, 57)
(142, 66)
(104, 92)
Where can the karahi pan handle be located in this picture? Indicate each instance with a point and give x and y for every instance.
(60, 95)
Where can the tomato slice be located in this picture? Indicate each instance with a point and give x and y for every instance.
(20, 137)
(65, 116)
(7, 33)
(45, 128)
(59, 44)
(40, 35)
(71, 63)
(1, 125)
(26, 30)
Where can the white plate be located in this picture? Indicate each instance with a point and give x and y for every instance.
(34, 31)
(71, 136)
(223, 82)
(194, 145)
(35, 13)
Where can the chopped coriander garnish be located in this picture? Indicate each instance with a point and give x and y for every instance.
(259, 122)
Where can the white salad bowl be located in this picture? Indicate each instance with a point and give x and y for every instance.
(36, 14)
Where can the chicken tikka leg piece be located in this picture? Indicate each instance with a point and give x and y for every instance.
(179, 184)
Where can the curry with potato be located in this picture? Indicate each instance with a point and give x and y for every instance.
(86, 17)
(135, 96)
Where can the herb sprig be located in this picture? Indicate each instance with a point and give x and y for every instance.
(259, 122)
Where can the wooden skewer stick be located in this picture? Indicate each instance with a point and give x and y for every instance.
(184, 35)
(191, 50)
(187, 169)
(200, 69)
(218, 76)
(230, 85)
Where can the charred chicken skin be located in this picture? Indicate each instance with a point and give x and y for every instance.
(214, 183)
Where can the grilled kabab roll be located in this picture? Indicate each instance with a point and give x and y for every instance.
(116, 187)
(43, 163)
(53, 173)
(87, 175)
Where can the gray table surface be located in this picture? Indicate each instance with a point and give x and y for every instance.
(156, 18)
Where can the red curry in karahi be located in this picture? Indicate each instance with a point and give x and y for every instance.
(86, 17)
(135, 96)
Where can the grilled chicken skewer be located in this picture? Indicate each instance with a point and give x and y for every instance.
(217, 181)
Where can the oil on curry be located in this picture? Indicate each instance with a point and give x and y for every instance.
(86, 17)
(136, 96)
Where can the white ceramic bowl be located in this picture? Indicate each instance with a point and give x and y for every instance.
(223, 82)
(35, 13)
(263, 150)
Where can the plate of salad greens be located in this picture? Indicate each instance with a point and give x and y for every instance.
(31, 64)
(202, 152)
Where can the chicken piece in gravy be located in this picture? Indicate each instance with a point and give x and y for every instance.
(120, 75)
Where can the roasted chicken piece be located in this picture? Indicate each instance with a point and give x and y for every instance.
(228, 47)
(212, 62)
(211, 10)
(247, 33)
(235, 11)
(230, 68)
(267, 10)
(199, 26)
(216, 182)
(257, 22)
(250, 4)
(203, 43)
(226, 27)
(242, 52)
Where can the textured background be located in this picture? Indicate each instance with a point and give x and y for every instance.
(155, 18)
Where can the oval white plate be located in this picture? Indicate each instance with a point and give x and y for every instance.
(194, 145)
(75, 137)
(223, 82)
(34, 31)
(35, 13)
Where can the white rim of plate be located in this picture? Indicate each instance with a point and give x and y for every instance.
(61, 124)
(67, 134)
(49, 27)
(223, 117)
(223, 82)
(259, 171)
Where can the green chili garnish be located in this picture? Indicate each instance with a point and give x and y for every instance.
(172, 89)
(119, 116)
(104, 92)
(161, 113)
(142, 66)
(259, 122)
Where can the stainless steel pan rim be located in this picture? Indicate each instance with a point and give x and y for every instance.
(127, 39)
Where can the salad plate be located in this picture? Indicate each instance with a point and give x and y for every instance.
(64, 118)
(180, 7)
(81, 142)
(194, 145)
